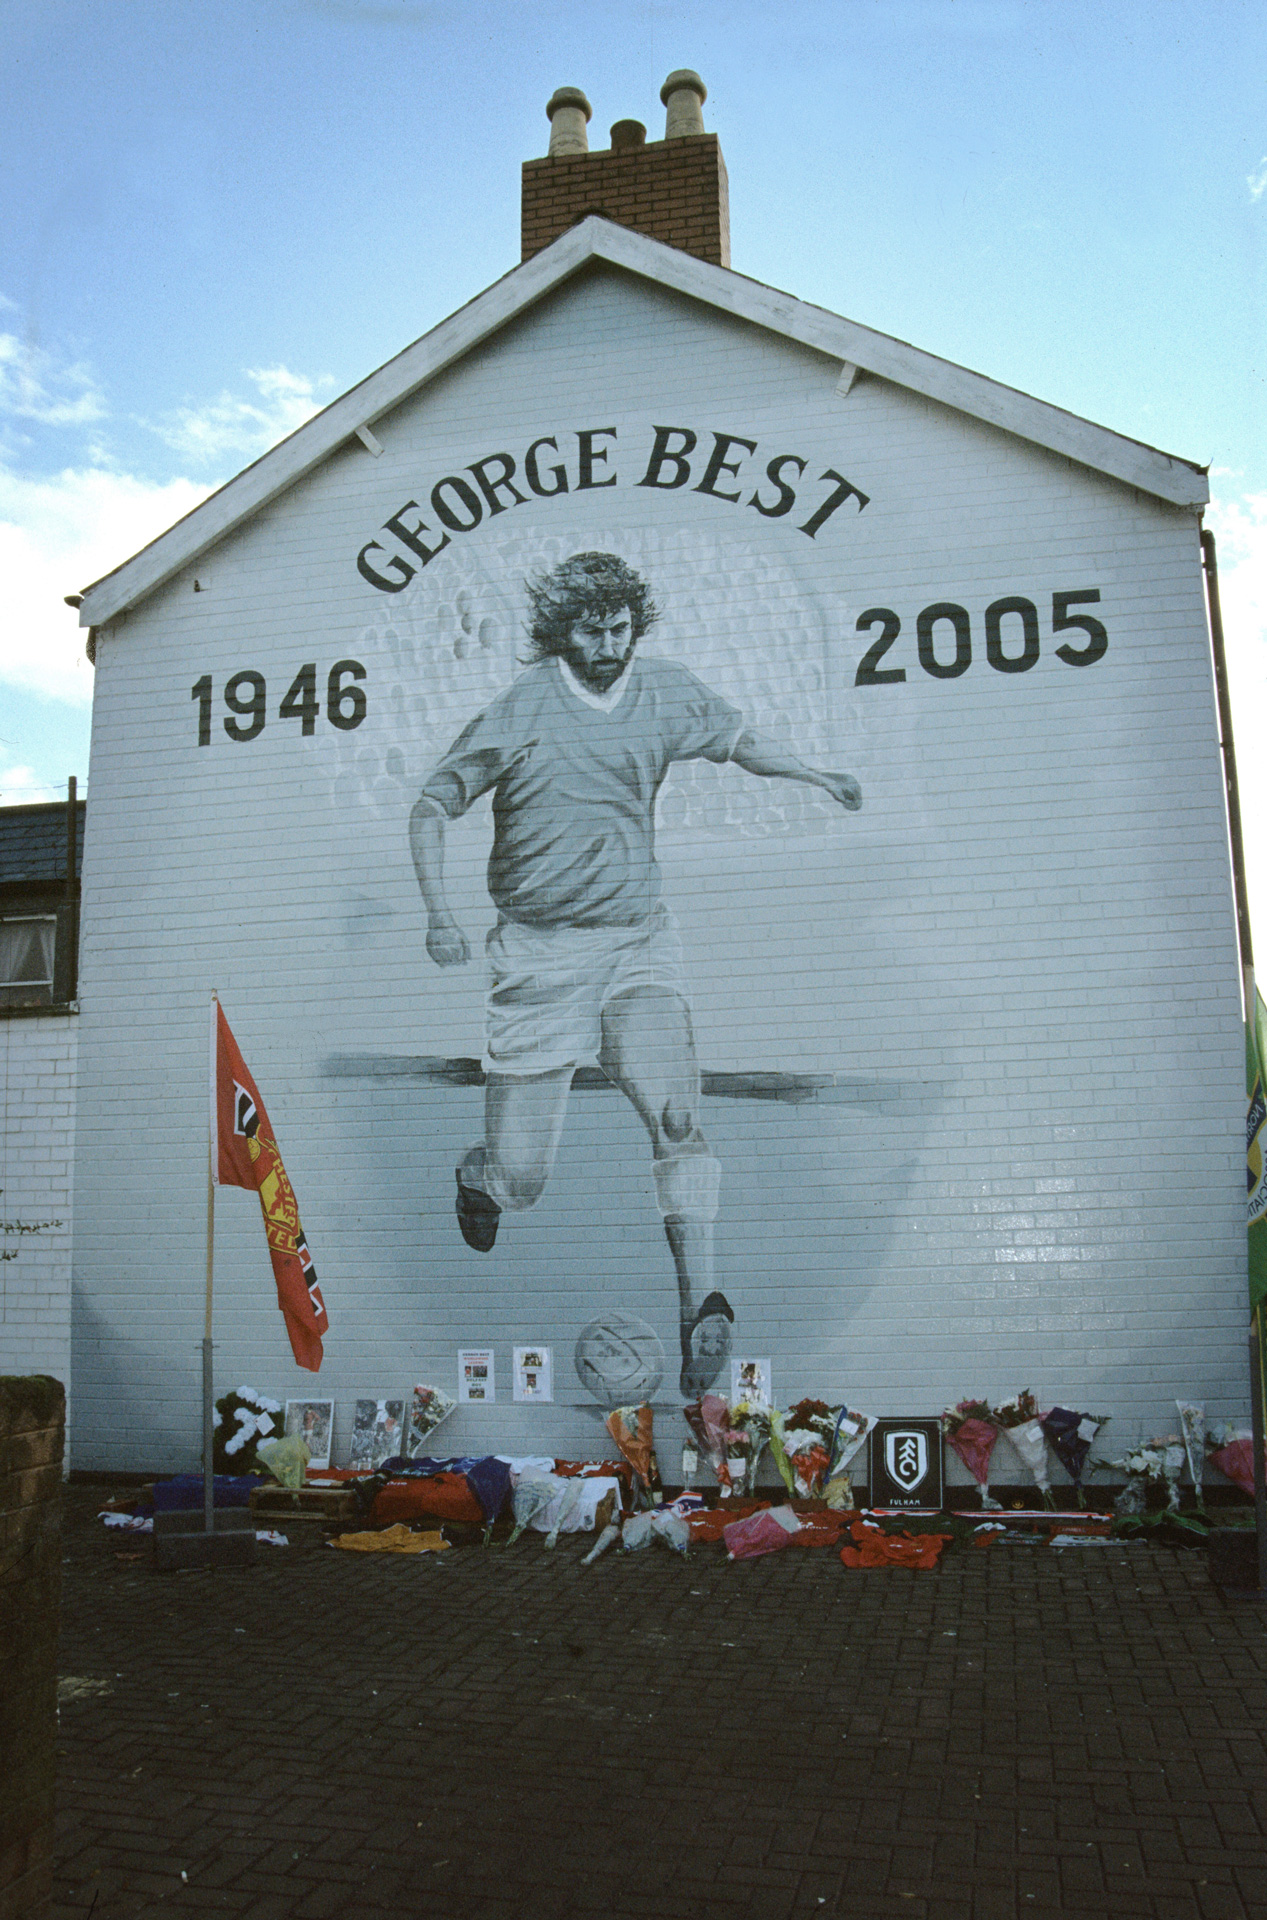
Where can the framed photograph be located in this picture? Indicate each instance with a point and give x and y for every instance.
(750, 1380)
(313, 1422)
(534, 1373)
(378, 1430)
(477, 1376)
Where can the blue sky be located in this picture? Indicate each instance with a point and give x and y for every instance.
(219, 214)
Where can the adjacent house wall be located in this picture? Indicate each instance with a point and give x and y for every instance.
(37, 1096)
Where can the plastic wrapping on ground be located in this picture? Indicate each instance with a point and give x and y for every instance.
(872, 1547)
(607, 1538)
(393, 1540)
(574, 1501)
(768, 1530)
(286, 1459)
(666, 1529)
(563, 1509)
(530, 1499)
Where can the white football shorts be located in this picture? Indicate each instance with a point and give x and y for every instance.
(550, 984)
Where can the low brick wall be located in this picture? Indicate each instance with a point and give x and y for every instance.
(32, 1423)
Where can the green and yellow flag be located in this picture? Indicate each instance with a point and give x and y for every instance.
(1256, 1144)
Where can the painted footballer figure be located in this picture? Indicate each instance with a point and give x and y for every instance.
(585, 959)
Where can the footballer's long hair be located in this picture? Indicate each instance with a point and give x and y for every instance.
(585, 586)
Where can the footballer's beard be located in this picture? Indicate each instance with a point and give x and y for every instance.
(600, 676)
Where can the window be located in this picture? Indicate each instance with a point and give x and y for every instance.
(27, 947)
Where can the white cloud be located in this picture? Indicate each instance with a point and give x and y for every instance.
(1257, 181)
(38, 386)
(57, 534)
(229, 425)
(19, 783)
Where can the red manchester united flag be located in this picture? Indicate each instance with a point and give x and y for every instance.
(244, 1154)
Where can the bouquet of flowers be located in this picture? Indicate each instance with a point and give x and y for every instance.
(800, 1441)
(1231, 1450)
(747, 1437)
(812, 1444)
(428, 1406)
(630, 1428)
(1192, 1424)
(242, 1419)
(1070, 1436)
(1018, 1420)
(970, 1429)
(1159, 1463)
(849, 1435)
(709, 1420)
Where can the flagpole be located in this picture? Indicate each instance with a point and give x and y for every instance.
(208, 1387)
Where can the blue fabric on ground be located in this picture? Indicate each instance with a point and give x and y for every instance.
(487, 1477)
(185, 1493)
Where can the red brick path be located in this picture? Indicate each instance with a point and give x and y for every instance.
(500, 1734)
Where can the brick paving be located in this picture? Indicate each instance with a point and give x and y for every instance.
(502, 1733)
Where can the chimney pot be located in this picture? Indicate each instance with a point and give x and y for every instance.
(568, 111)
(626, 134)
(683, 94)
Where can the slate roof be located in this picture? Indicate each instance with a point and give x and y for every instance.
(33, 842)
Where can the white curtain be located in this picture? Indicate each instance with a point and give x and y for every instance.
(26, 961)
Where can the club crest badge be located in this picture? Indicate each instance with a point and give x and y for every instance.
(906, 1457)
(906, 1466)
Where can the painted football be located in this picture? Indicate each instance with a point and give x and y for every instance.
(619, 1359)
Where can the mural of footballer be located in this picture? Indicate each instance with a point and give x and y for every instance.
(585, 958)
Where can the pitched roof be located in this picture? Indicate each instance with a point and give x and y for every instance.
(33, 841)
(856, 347)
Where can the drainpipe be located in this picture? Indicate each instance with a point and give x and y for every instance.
(1258, 1409)
(72, 889)
(1209, 560)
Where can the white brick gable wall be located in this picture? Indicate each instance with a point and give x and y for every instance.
(37, 1089)
(1018, 960)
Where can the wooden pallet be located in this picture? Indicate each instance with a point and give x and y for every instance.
(304, 1503)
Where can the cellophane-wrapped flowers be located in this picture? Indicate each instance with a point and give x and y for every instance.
(1160, 1462)
(749, 1422)
(1192, 1428)
(428, 1406)
(1019, 1420)
(812, 1443)
(1070, 1436)
(631, 1429)
(709, 1420)
(969, 1427)
(848, 1436)
(1231, 1450)
(800, 1441)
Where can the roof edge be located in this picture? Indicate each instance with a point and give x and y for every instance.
(1178, 482)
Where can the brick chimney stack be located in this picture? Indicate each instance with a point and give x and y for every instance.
(674, 190)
